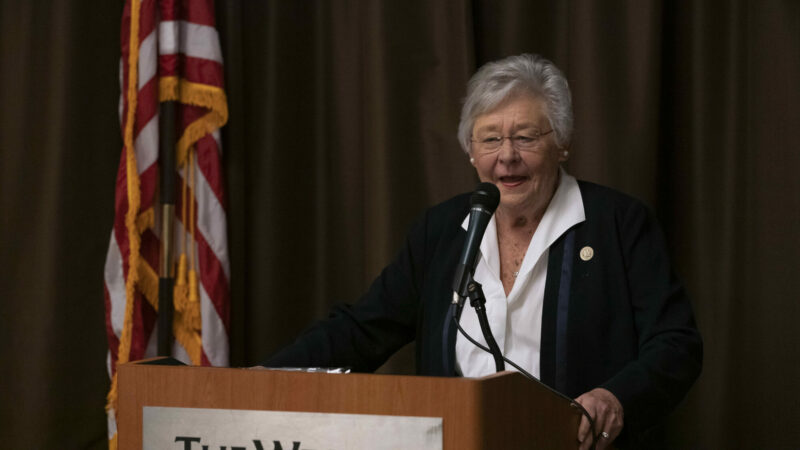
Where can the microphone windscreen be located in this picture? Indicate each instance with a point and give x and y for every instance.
(487, 196)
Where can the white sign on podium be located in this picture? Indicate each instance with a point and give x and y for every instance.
(235, 429)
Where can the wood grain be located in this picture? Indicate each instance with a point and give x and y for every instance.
(500, 411)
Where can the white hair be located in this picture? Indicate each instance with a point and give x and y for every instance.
(497, 81)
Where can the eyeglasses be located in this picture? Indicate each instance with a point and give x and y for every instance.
(525, 141)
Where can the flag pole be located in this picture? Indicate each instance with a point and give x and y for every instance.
(167, 141)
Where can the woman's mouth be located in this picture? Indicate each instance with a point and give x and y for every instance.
(511, 181)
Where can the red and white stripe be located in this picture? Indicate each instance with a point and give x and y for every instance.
(188, 42)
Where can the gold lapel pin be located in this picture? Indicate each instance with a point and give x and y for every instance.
(587, 253)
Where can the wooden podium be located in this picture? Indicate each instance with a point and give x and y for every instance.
(504, 410)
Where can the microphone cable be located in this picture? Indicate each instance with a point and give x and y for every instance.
(530, 376)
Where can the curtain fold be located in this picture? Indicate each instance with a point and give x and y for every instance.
(59, 148)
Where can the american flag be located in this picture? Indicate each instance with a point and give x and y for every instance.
(170, 51)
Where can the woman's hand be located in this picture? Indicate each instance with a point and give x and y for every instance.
(607, 412)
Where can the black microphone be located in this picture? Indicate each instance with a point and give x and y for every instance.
(483, 203)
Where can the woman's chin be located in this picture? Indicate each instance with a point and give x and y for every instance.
(513, 201)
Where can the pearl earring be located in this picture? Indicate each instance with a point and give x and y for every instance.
(472, 160)
(566, 153)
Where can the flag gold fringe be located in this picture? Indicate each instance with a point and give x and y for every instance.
(134, 201)
(207, 96)
(145, 220)
(148, 283)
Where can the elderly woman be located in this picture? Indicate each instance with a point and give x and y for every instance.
(578, 284)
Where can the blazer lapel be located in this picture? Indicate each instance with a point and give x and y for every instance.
(555, 311)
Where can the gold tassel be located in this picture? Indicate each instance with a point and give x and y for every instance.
(180, 292)
(186, 323)
(193, 310)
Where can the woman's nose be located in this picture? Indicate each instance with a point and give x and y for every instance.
(507, 153)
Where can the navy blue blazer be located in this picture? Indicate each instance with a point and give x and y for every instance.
(620, 320)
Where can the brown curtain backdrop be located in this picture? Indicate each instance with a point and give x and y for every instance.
(59, 148)
(342, 130)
